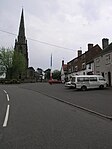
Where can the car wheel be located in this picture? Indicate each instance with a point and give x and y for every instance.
(101, 86)
(83, 88)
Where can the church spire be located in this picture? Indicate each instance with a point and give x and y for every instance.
(21, 35)
(21, 42)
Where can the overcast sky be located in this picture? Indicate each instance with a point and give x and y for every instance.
(67, 23)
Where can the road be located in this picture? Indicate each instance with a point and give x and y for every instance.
(96, 100)
(37, 121)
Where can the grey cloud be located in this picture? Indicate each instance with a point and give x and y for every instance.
(90, 9)
(43, 9)
(59, 22)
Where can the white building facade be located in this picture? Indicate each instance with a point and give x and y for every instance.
(64, 77)
(103, 64)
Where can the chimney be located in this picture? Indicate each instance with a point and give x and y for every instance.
(62, 62)
(79, 53)
(105, 43)
(90, 46)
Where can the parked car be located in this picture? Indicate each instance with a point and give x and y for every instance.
(69, 84)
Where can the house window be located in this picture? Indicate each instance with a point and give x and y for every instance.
(108, 59)
(89, 67)
(76, 68)
(69, 70)
(83, 66)
(97, 61)
(102, 74)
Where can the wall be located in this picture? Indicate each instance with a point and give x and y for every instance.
(103, 66)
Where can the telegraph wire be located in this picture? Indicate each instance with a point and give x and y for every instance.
(50, 44)
(8, 32)
(42, 42)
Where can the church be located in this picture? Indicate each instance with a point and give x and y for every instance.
(21, 46)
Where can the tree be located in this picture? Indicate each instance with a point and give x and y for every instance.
(18, 65)
(56, 74)
(6, 55)
(14, 63)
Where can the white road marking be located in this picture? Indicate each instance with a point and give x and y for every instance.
(7, 97)
(7, 112)
(6, 116)
(5, 91)
(6, 94)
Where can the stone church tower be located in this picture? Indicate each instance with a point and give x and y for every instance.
(21, 42)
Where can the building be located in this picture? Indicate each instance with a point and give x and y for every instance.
(47, 73)
(64, 72)
(21, 42)
(40, 75)
(31, 73)
(103, 62)
(83, 64)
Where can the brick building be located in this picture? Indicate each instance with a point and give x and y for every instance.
(84, 63)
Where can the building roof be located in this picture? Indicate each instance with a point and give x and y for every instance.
(89, 55)
(31, 68)
(108, 49)
(47, 70)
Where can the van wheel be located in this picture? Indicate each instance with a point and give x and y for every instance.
(83, 88)
(101, 86)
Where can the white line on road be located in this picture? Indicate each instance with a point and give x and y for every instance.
(6, 116)
(7, 112)
(6, 94)
(7, 97)
(5, 91)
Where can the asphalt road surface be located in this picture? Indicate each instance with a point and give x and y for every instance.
(32, 120)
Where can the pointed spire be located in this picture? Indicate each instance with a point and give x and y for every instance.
(21, 42)
(21, 35)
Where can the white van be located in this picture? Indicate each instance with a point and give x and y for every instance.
(85, 82)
